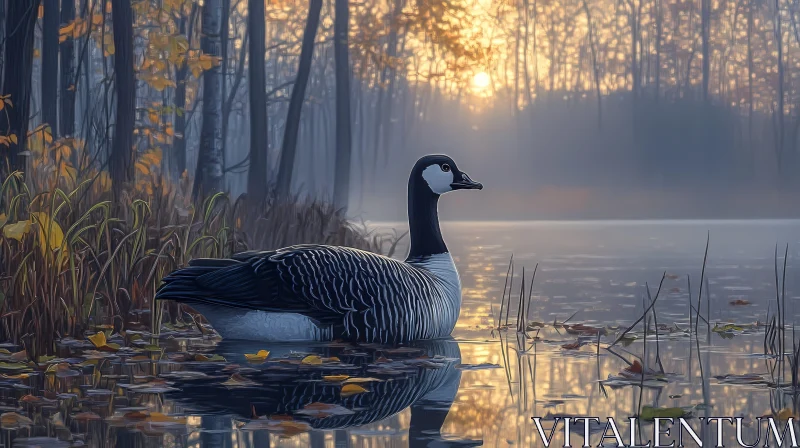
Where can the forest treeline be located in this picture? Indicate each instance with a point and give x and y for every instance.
(281, 97)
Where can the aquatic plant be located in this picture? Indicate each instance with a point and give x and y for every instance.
(73, 259)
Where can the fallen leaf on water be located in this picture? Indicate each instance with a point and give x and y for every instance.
(212, 358)
(12, 420)
(86, 416)
(636, 367)
(335, 378)
(352, 389)
(312, 360)
(650, 413)
(257, 357)
(361, 380)
(237, 380)
(573, 346)
(739, 302)
(13, 366)
(98, 340)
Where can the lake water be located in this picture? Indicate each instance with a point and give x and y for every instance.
(484, 386)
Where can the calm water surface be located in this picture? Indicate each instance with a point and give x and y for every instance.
(483, 386)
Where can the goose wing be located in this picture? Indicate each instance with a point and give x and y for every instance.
(322, 282)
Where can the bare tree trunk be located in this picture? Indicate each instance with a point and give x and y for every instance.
(178, 159)
(779, 138)
(259, 147)
(18, 71)
(209, 173)
(594, 65)
(341, 186)
(50, 64)
(289, 150)
(68, 81)
(121, 162)
(659, 35)
(705, 18)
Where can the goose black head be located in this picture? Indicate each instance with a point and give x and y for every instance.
(432, 176)
(441, 175)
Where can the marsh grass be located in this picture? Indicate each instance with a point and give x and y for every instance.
(73, 260)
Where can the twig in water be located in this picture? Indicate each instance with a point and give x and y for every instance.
(655, 322)
(503, 299)
(702, 277)
(652, 304)
(510, 288)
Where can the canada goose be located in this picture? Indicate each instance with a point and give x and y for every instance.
(317, 292)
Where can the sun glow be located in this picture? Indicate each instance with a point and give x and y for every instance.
(481, 80)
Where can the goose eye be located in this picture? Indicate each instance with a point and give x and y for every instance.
(445, 167)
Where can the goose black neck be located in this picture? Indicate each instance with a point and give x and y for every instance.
(423, 220)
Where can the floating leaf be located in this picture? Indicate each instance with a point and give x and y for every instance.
(98, 340)
(335, 378)
(257, 357)
(312, 360)
(362, 380)
(650, 413)
(352, 389)
(237, 380)
(12, 420)
(212, 358)
(86, 417)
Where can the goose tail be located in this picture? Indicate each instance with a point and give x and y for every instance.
(213, 281)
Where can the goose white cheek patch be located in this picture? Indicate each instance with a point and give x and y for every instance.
(438, 181)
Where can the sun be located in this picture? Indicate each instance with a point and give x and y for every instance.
(481, 80)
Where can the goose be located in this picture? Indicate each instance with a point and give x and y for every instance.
(315, 292)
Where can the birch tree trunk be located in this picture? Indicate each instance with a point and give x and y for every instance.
(209, 173)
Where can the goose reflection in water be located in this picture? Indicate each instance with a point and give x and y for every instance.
(422, 377)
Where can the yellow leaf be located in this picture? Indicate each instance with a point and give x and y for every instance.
(335, 378)
(17, 230)
(67, 29)
(352, 389)
(50, 234)
(312, 360)
(99, 340)
(13, 138)
(257, 357)
(3, 220)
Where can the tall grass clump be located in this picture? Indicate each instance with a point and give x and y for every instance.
(72, 258)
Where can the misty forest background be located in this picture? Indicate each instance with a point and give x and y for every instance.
(137, 135)
(563, 108)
